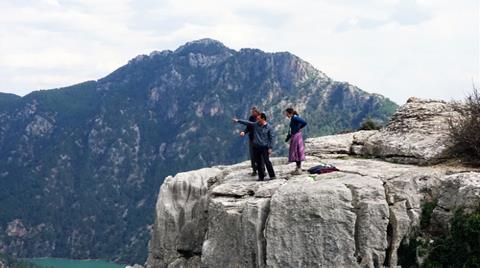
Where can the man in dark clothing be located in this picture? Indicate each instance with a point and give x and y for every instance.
(262, 145)
(249, 130)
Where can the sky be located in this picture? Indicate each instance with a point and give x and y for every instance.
(397, 48)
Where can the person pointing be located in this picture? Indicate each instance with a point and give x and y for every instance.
(262, 144)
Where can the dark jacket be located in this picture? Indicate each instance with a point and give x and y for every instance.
(262, 135)
(249, 129)
(296, 123)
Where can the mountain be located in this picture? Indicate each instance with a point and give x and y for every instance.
(80, 166)
(6, 98)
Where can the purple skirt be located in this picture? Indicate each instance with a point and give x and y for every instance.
(297, 149)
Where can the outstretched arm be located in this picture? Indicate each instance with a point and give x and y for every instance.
(243, 122)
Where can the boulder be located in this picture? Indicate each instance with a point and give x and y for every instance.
(341, 144)
(418, 133)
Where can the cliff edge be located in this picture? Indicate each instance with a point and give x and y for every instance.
(356, 217)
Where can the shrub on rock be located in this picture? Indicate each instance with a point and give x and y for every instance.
(465, 129)
(460, 247)
(370, 124)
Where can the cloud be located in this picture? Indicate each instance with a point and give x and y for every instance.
(405, 12)
(264, 17)
(409, 12)
(398, 48)
(363, 23)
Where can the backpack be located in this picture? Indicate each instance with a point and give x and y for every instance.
(322, 168)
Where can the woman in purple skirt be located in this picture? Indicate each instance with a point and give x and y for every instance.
(297, 149)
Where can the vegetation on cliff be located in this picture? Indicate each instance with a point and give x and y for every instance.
(460, 247)
(465, 129)
(457, 246)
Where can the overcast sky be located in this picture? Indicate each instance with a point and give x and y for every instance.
(398, 48)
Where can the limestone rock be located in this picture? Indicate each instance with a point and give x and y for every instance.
(185, 262)
(333, 144)
(311, 224)
(417, 133)
(181, 218)
(337, 144)
(455, 191)
(16, 228)
(371, 208)
(338, 221)
(235, 232)
(357, 217)
(401, 227)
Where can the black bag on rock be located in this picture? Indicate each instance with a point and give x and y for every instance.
(322, 168)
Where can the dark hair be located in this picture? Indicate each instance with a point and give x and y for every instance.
(291, 111)
(263, 116)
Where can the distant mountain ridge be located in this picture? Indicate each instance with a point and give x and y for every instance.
(80, 166)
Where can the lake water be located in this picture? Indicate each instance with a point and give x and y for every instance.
(69, 263)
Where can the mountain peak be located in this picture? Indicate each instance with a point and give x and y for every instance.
(206, 46)
(205, 41)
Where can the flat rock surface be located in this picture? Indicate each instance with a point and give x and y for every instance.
(336, 144)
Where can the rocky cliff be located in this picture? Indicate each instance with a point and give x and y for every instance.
(359, 216)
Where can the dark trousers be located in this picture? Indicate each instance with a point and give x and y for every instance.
(252, 156)
(262, 159)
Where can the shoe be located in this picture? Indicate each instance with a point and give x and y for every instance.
(260, 180)
(273, 178)
(253, 174)
(298, 171)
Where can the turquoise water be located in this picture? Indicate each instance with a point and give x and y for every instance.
(68, 263)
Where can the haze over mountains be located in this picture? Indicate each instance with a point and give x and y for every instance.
(81, 166)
